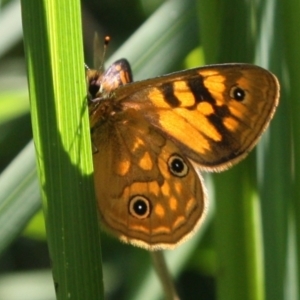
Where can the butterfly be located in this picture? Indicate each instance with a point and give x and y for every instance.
(152, 138)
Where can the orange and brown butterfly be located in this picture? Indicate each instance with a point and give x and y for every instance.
(151, 138)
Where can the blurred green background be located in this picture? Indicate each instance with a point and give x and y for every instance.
(255, 223)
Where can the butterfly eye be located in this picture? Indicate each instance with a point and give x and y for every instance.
(139, 207)
(94, 88)
(177, 166)
(237, 93)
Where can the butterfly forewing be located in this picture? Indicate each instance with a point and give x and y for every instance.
(215, 114)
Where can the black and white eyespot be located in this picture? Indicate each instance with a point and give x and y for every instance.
(237, 93)
(139, 207)
(177, 166)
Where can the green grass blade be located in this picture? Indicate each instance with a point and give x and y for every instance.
(18, 204)
(274, 162)
(290, 12)
(53, 46)
(238, 224)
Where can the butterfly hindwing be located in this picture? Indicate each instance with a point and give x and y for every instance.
(148, 193)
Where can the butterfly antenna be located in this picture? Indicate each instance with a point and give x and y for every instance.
(106, 42)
